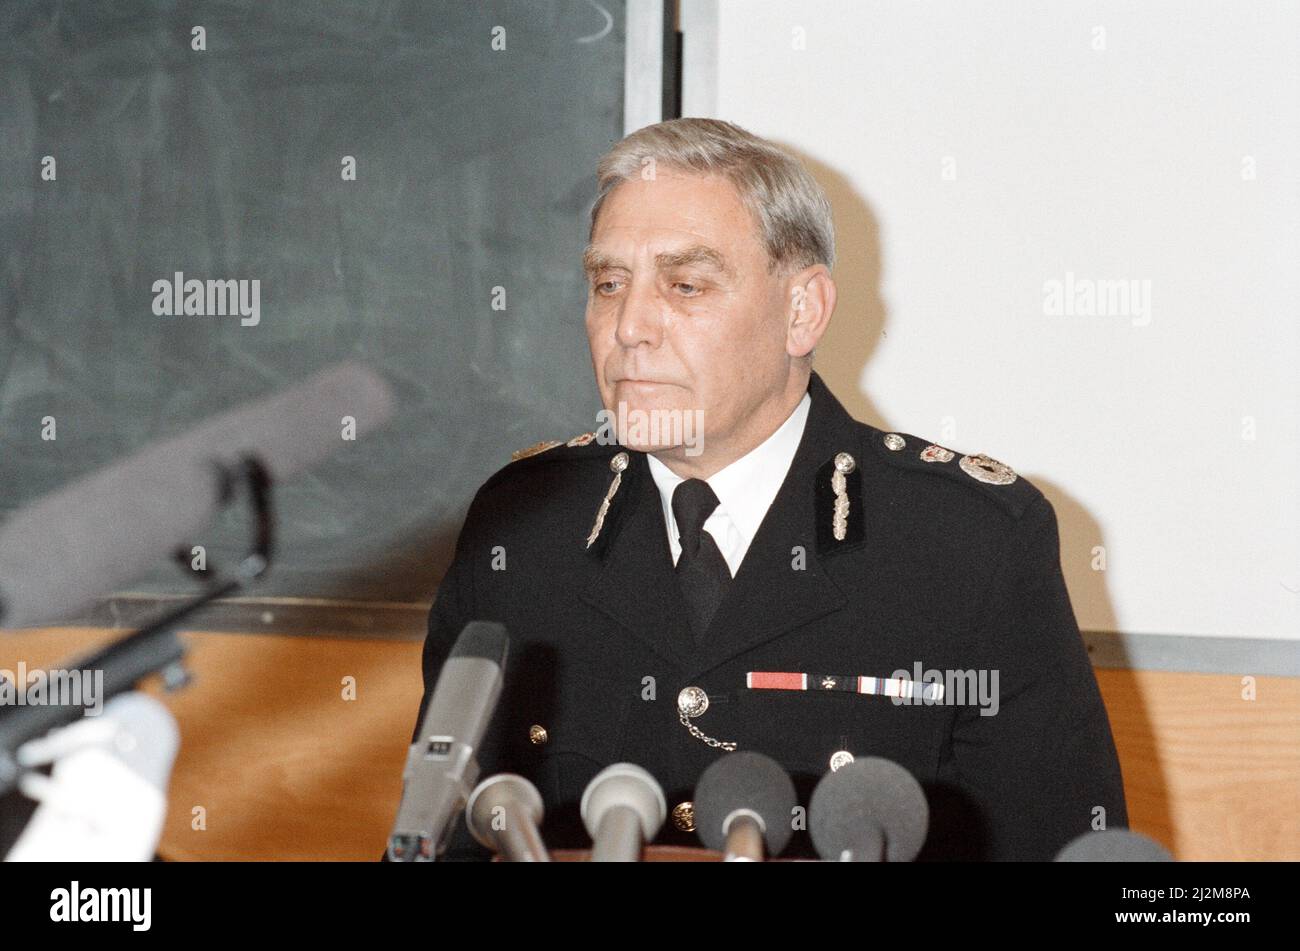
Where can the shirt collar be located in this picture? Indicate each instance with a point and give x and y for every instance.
(747, 487)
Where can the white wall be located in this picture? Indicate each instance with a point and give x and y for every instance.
(1130, 162)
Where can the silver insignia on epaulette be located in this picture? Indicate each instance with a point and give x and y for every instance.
(936, 454)
(986, 469)
(534, 449)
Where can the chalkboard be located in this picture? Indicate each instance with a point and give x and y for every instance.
(407, 183)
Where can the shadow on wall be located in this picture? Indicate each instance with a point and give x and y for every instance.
(860, 323)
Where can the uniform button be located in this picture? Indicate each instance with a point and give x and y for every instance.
(537, 735)
(684, 816)
(840, 758)
(895, 442)
(692, 701)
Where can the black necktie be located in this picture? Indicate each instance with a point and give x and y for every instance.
(701, 569)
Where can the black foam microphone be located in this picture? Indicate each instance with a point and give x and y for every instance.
(1113, 845)
(744, 806)
(441, 766)
(60, 553)
(870, 810)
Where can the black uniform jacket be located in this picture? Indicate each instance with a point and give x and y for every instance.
(935, 567)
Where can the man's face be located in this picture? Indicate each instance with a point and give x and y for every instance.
(682, 312)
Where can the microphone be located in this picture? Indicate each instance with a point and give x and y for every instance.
(622, 808)
(870, 810)
(743, 804)
(504, 813)
(1114, 845)
(440, 766)
(106, 797)
(58, 554)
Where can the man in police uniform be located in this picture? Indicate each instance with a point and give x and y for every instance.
(776, 585)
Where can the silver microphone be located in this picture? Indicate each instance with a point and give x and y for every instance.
(441, 766)
(504, 813)
(622, 808)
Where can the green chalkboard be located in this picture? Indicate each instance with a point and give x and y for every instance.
(475, 129)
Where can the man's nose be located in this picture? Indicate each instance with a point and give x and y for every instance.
(639, 318)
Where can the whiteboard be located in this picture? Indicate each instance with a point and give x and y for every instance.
(993, 165)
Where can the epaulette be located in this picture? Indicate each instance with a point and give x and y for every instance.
(992, 479)
(579, 448)
(611, 458)
(543, 446)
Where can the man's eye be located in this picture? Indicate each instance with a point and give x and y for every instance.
(690, 290)
(601, 287)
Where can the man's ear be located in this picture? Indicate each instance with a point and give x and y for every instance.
(811, 302)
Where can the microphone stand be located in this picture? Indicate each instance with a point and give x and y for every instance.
(154, 647)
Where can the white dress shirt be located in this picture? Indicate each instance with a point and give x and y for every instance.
(745, 489)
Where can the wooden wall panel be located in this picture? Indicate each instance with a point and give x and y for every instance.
(1207, 773)
(286, 768)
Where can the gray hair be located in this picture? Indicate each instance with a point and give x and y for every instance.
(788, 205)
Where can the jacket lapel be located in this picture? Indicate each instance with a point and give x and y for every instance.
(781, 584)
(635, 585)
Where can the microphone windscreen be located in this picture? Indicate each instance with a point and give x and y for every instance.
(855, 806)
(104, 530)
(750, 781)
(624, 785)
(147, 736)
(485, 640)
(1114, 845)
(489, 802)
